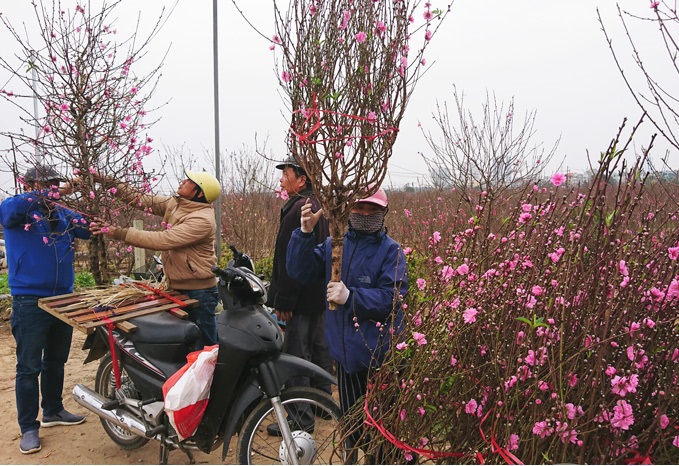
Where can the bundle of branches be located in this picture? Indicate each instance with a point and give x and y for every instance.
(549, 339)
(348, 74)
(116, 296)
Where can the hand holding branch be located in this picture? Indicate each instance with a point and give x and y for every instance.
(100, 227)
(309, 219)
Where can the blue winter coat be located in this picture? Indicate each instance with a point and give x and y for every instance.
(40, 251)
(373, 268)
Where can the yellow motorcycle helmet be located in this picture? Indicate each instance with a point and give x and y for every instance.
(207, 183)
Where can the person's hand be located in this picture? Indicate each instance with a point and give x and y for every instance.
(104, 180)
(70, 186)
(100, 227)
(284, 316)
(309, 219)
(337, 292)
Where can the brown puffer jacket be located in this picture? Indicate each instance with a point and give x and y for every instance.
(187, 240)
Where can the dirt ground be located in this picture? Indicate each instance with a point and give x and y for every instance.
(86, 443)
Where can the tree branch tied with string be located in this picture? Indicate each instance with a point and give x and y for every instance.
(348, 70)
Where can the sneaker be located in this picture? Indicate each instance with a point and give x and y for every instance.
(275, 431)
(30, 442)
(64, 418)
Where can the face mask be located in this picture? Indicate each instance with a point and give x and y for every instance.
(367, 224)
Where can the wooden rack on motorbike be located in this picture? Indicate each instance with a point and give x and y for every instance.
(76, 310)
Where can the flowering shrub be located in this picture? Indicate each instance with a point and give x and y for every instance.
(543, 331)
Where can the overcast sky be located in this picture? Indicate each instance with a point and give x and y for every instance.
(550, 56)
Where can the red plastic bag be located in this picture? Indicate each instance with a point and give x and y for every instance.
(187, 391)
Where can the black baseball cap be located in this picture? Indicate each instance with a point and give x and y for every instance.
(291, 161)
(42, 173)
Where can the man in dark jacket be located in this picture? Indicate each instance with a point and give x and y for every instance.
(40, 235)
(302, 307)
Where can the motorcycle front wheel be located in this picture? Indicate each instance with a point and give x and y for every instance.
(317, 441)
(105, 385)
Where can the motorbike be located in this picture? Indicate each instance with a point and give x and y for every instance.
(154, 271)
(247, 394)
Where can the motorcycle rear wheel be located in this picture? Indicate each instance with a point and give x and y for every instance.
(104, 384)
(320, 446)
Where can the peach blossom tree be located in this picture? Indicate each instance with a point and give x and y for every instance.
(348, 69)
(92, 104)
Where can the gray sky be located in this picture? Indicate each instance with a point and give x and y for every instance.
(551, 56)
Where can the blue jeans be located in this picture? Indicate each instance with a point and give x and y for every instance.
(203, 314)
(43, 343)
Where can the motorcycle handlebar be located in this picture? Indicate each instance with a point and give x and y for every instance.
(236, 253)
(221, 273)
(228, 276)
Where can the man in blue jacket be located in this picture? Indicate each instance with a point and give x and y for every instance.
(369, 296)
(39, 237)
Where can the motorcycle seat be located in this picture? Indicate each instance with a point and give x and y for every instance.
(163, 327)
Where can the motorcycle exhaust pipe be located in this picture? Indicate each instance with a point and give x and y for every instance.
(94, 402)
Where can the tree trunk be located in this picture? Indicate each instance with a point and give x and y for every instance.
(337, 243)
(98, 260)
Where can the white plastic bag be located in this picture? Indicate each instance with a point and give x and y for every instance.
(187, 391)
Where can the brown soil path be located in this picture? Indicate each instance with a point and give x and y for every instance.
(83, 444)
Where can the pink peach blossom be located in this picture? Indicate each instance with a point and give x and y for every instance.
(420, 338)
(471, 407)
(558, 179)
(623, 416)
(469, 315)
(435, 237)
(542, 429)
(664, 422)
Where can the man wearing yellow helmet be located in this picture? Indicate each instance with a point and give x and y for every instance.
(186, 241)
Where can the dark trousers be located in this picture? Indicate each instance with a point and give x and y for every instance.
(305, 338)
(351, 388)
(43, 343)
(203, 314)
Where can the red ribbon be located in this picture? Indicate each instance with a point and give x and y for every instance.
(431, 454)
(110, 325)
(315, 112)
(160, 292)
(495, 447)
(639, 458)
(114, 354)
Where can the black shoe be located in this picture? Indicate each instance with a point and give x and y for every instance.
(275, 431)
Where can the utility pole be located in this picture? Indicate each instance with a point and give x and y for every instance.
(215, 65)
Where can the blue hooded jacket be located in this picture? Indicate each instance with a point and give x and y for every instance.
(373, 269)
(39, 246)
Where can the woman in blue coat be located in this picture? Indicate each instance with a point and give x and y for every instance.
(369, 295)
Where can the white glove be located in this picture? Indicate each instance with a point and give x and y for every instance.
(337, 292)
(308, 219)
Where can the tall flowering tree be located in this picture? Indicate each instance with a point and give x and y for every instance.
(92, 107)
(348, 68)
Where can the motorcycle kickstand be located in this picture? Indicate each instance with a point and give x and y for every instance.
(164, 452)
(188, 453)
